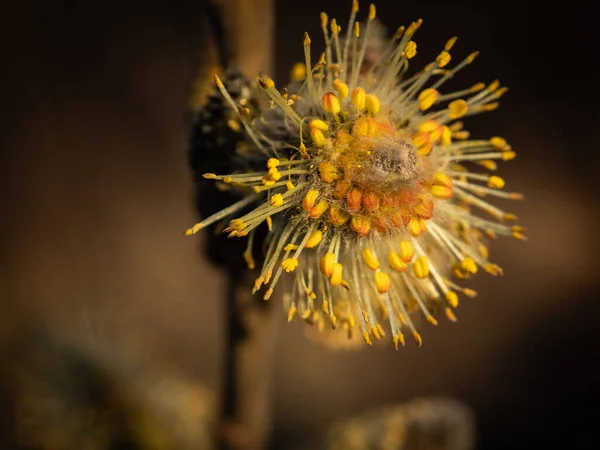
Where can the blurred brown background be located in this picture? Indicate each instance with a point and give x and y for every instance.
(96, 194)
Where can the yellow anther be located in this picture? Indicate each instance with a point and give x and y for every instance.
(358, 98)
(326, 264)
(318, 210)
(493, 269)
(333, 26)
(298, 72)
(314, 239)
(490, 233)
(441, 179)
(302, 150)
(266, 82)
(365, 126)
(331, 103)
(367, 338)
(337, 217)
(396, 262)
(372, 103)
(510, 216)
(483, 251)
(488, 164)
(209, 176)
(450, 315)
(289, 185)
(417, 226)
(431, 320)
(351, 321)
(372, 11)
(441, 192)
(268, 294)
(370, 259)
(273, 162)
(291, 312)
(318, 124)
(519, 235)
(236, 224)
(457, 108)
(310, 199)
(290, 247)
(410, 50)
(427, 98)
(500, 92)
(507, 156)
(274, 174)
(318, 137)
(407, 251)
(234, 125)
(421, 267)
(494, 85)
(496, 182)
(422, 141)
(356, 29)
(469, 265)
(477, 87)
(328, 172)
(382, 282)
(341, 88)
(499, 143)
(218, 82)
(461, 135)
(290, 264)
(472, 57)
(336, 275)
(249, 259)
(398, 34)
(276, 200)
(398, 338)
(443, 59)
(452, 298)
(354, 5)
(469, 292)
(360, 225)
(418, 338)
(516, 196)
(324, 19)
(446, 138)
(450, 43)
(307, 40)
(432, 127)
(490, 106)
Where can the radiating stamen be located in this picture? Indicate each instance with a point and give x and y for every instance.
(418, 299)
(361, 56)
(324, 23)
(242, 118)
(269, 87)
(271, 260)
(468, 60)
(349, 31)
(222, 214)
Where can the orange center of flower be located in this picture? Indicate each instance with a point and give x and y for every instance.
(377, 178)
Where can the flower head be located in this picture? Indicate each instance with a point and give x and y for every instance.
(373, 194)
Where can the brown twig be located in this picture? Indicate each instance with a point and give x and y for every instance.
(244, 29)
